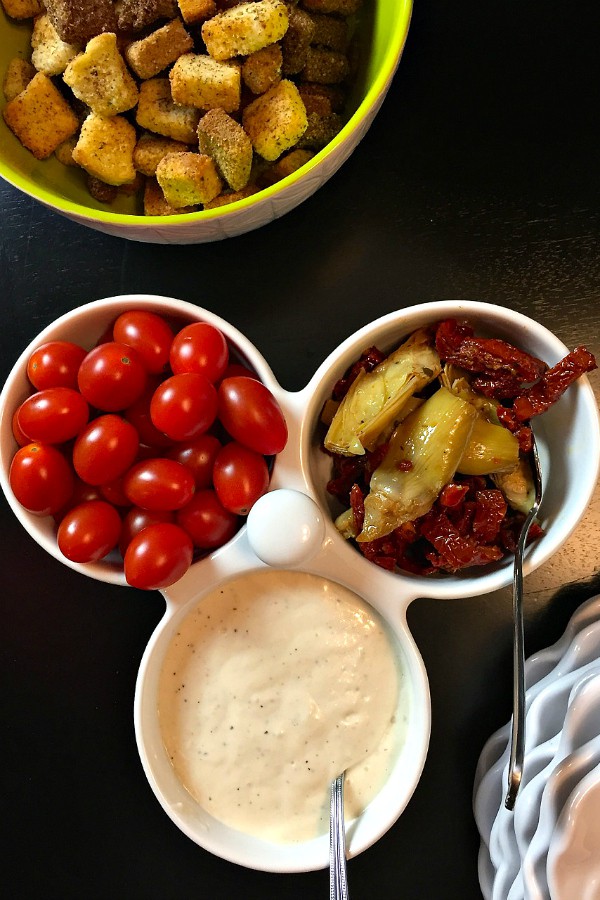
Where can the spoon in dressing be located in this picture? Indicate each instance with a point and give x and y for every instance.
(338, 884)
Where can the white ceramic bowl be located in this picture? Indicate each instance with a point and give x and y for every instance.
(383, 32)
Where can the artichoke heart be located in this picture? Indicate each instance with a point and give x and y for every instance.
(517, 486)
(376, 399)
(491, 449)
(422, 457)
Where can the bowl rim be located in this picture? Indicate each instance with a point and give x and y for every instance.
(373, 96)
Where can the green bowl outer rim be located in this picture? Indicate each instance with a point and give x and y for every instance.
(376, 91)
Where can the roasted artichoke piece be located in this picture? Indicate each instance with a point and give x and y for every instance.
(376, 399)
(422, 457)
(517, 486)
(491, 449)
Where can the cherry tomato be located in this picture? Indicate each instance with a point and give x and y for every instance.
(114, 492)
(200, 347)
(55, 364)
(18, 433)
(53, 415)
(139, 416)
(82, 493)
(240, 477)
(251, 415)
(105, 449)
(198, 456)
(148, 334)
(136, 519)
(89, 531)
(111, 377)
(159, 484)
(207, 521)
(238, 369)
(158, 556)
(41, 478)
(184, 406)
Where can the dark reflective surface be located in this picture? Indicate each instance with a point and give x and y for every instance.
(478, 180)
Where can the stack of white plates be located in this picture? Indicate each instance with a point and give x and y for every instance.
(549, 846)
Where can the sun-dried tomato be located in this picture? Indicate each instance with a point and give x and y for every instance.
(485, 355)
(553, 384)
(357, 505)
(489, 514)
(454, 551)
(369, 359)
(449, 336)
(498, 387)
(453, 494)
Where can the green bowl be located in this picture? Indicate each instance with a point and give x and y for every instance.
(383, 30)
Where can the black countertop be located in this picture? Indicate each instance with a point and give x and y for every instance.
(478, 180)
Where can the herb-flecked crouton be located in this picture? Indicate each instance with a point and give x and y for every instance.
(50, 54)
(100, 78)
(342, 7)
(262, 70)
(276, 121)
(200, 81)
(76, 21)
(105, 148)
(226, 142)
(228, 197)
(245, 28)
(296, 41)
(196, 10)
(22, 9)
(287, 165)
(331, 32)
(150, 55)
(155, 203)
(40, 117)
(156, 111)
(17, 76)
(151, 148)
(188, 178)
(325, 66)
(134, 15)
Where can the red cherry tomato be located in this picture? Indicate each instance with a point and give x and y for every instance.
(234, 369)
(200, 347)
(184, 406)
(113, 492)
(112, 376)
(89, 531)
(53, 415)
(55, 364)
(148, 334)
(207, 521)
(158, 556)
(159, 484)
(105, 449)
(18, 433)
(198, 456)
(251, 415)
(139, 416)
(41, 478)
(240, 477)
(82, 493)
(137, 519)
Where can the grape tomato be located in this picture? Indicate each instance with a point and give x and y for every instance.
(149, 334)
(207, 521)
(251, 415)
(184, 406)
(112, 376)
(159, 484)
(41, 478)
(53, 415)
(136, 519)
(240, 476)
(55, 364)
(158, 556)
(198, 456)
(89, 532)
(200, 347)
(105, 449)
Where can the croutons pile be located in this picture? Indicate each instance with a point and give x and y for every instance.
(193, 103)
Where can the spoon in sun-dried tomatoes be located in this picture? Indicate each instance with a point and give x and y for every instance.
(517, 747)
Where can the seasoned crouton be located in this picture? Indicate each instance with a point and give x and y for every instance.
(321, 130)
(188, 178)
(228, 197)
(76, 21)
(22, 9)
(196, 10)
(296, 41)
(200, 81)
(285, 166)
(151, 148)
(150, 55)
(155, 203)
(131, 188)
(156, 111)
(275, 121)
(50, 54)
(100, 78)
(245, 28)
(262, 70)
(99, 190)
(322, 98)
(133, 15)
(226, 142)
(325, 66)
(17, 76)
(40, 117)
(330, 32)
(64, 151)
(105, 148)
(342, 7)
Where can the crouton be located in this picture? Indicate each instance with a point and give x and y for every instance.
(100, 78)
(245, 28)
(155, 203)
(275, 121)
(200, 81)
(50, 55)
(150, 55)
(325, 66)
(285, 166)
(131, 188)
(151, 148)
(105, 148)
(341, 7)
(330, 32)
(226, 142)
(64, 151)
(296, 41)
(76, 21)
(188, 178)
(228, 197)
(40, 117)
(321, 130)
(262, 70)
(134, 15)
(196, 10)
(157, 112)
(322, 98)
(17, 76)
(99, 190)
(22, 9)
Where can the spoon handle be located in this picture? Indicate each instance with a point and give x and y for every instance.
(338, 883)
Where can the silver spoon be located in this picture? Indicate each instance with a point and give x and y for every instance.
(517, 749)
(338, 884)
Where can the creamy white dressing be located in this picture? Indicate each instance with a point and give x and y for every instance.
(272, 686)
